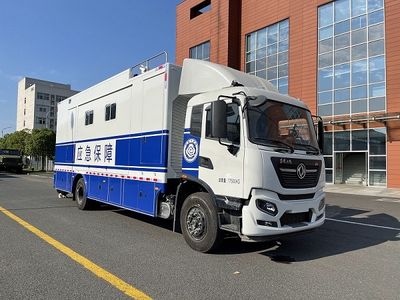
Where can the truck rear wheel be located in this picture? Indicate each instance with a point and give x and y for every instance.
(199, 223)
(80, 195)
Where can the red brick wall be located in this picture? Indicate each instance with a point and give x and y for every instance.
(211, 26)
(393, 160)
(392, 13)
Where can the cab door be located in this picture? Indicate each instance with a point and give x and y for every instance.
(221, 161)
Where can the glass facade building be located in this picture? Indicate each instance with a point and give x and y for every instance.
(351, 57)
(352, 81)
(267, 54)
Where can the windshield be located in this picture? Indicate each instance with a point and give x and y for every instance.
(281, 125)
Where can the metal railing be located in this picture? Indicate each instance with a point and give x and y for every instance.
(149, 64)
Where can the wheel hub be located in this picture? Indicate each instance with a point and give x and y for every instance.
(196, 223)
(79, 195)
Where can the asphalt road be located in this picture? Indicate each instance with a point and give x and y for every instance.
(355, 255)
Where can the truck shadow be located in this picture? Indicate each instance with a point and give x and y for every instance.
(5, 175)
(333, 238)
(166, 224)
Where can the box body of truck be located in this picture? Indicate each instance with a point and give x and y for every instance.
(123, 157)
(148, 143)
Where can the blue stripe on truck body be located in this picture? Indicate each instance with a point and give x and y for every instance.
(146, 151)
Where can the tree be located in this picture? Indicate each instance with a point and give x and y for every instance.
(41, 144)
(16, 140)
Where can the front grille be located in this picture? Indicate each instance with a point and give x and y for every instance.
(292, 219)
(286, 169)
(296, 197)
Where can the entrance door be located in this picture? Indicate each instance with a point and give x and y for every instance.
(351, 168)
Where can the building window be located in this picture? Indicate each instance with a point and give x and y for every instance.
(201, 51)
(267, 54)
(41, 121)
(200, 9)
(43, 96)
(351, 57)
(60, 98)
(111, 110)
(42, 109)
(89, 117)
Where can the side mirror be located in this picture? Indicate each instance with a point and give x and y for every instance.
(218, 119)
(321, 135)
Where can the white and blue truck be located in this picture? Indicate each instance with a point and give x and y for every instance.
(213, 149)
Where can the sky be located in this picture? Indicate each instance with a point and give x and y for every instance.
(77, 42)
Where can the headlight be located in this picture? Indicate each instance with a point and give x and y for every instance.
(321, 204)
(267, 207)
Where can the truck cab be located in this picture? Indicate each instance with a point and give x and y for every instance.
(11, 159)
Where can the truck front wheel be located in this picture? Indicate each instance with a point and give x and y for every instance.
(80, 195)
(199, 223)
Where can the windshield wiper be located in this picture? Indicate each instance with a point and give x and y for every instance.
(275, 142)
(308, 146)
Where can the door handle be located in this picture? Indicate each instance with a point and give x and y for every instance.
(205, 162)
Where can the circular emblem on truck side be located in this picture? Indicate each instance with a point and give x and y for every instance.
(301, 171)
(190, 150)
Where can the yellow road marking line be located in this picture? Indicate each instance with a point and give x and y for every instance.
(97, 270)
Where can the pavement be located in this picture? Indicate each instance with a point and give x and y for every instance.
(354, 255)
(48, 174)
(363, 190)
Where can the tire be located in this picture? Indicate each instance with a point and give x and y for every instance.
(199, 223)
(82, 201)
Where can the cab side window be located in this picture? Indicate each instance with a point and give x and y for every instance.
(196, 119)
(233, 123)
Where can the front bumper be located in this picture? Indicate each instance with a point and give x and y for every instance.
(256, 223)
(8, 165)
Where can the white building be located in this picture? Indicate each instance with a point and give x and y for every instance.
(37, 102)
